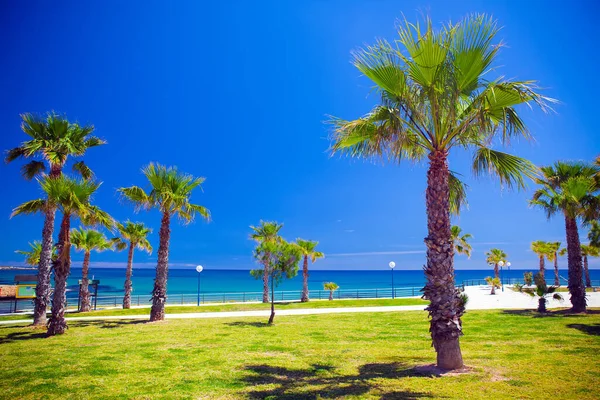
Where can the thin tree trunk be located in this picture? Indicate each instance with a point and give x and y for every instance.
(576, 288)
(84, 294)
(62, 268)
(272, 317)
(543, 268)
(266, 279)
(331, 295)
(305, 280)
(493, 289)
(556, 274)
(445, 308)
(588, 282)
(542, 305)
(159, 293)
(496, 271)
(42, 289)
(128, 273)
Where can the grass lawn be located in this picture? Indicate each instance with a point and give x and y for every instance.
(245, 307)
(513, 354)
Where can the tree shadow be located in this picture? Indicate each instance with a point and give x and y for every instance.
(549, 314)
(590, 329)
(245, 323)
(322, 381)
(17, 336)
(107, 324)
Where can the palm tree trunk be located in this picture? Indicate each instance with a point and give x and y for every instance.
(330, 295)
(496, 271)
(159, 293)
(128, 273)
(62, 268)
(543, 268)
(266, 279)
(493, 289)
(272, 317)
(588, 282)
(576, 288)
(445, 308)
(42, 289)
(84, 293)
(556, 275)
(542, 305)
(305, 280)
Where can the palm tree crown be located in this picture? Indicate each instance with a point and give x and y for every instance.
(54, 139)
(135, 233)
(307, 247)
(461, 244)
(87, 240)
(494, 256)
(265, 231)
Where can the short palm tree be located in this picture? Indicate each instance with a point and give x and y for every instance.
(494, 283)
(460, 241)
(541, 249)
(308, 251)
(53, 139)
(32, 256)
(588, 251)
(88, 240)
(73, 199)
(435, 98)
(494, 257)
(553, 250)
(541, 290)
(265, 232)
(170, 192)
(569, 188)
(132, 235)
(332, 287)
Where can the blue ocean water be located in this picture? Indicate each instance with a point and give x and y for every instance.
(184, 281)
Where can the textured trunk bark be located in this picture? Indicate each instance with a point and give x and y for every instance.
(493, 289)
(159, 293)
(272, 317)
(331, 295)
(496, 271)
(542, 305)
(543, 268)
(588, 282)
(84, 293)
(42, 289)
(128, 273)
(556, 274)
(305, 280)
(266, 279)
(445, 308)
(576, 288)
(62, 267)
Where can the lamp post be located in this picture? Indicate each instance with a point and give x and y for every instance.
(392, 266)
(199, 269)
(501, 264)
(508, 266)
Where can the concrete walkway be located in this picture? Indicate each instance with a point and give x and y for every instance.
(479, 299)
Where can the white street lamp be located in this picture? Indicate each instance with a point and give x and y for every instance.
(392, 266)
(199, 269)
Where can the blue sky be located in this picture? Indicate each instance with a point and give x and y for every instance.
(238, 92)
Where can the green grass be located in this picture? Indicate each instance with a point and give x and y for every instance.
(245, 307)
(513, 354)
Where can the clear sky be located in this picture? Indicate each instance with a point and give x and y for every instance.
(238, 92)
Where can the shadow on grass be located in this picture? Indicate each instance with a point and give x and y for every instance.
(244, 323)
(17, 336)
(590, 329)
(322, 381)
(107, 324)
(556, 313)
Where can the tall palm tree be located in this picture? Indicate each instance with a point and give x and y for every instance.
(266, 232)
(553, 250)
(87, 240)
(435, 97)
(588, 251)
(32, 256)
(569, 188)
(308, 251)
(169, 191)
(493, 257)
(541, 249)
(73, 199)
(460, 241)
(133, 234)
(53, 139)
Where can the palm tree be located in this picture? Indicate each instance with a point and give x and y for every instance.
(541, 290)
(134, 234)
(541, 249)
(553, 249)
(435, 97)
(308, 251)
(460, 241)
(265, 232)
(332, 287)
(32, 256)
(494, 283)
(169, 192)
(53, 139)
(591, 251)
(87, 240)
(568, 188)
(73, 198)
(494, 257)
(594, 232)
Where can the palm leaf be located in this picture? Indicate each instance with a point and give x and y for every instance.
(510, 170)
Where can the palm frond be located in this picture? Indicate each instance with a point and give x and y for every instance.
(458, 193)
(32, 169)
(510, 170)
(82, 169)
